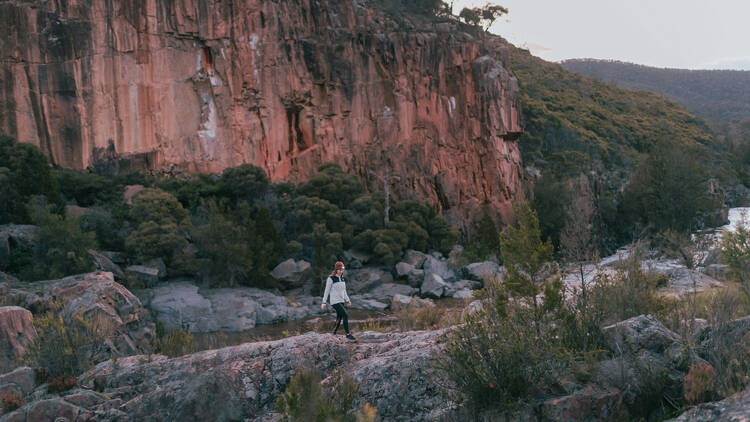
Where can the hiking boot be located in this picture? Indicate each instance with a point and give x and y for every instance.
(350, 337)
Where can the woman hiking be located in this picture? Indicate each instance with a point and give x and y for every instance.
(336, 286)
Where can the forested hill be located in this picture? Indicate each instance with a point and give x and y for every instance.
(717, 95)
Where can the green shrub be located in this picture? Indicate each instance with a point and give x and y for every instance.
(88, 189)
(161, 222)
(505, 352)
(330, 183)
(63, 247)
(68, 347)
(245, 183)
(238, 249)
(192, 190)
(385, 244)
(105, 226)
(24, 172)
(735, 248)
(305, 399)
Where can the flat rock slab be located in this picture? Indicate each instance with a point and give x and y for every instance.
(242, 382)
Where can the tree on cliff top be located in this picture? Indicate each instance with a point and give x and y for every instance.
(485, 15)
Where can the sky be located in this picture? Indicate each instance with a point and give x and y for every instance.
(686, 34)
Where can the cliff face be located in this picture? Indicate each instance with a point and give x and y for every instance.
(200, 85)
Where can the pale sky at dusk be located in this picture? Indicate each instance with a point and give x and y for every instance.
(686, 34)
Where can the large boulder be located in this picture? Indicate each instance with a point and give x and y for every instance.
(414, 258)
(92, 295)
(184, 305)
(385, 292)
(433, 286)
(439, 267)
(415, 277)
(147, 276)
(401, 301)
(21, 380)
(16, 334)
(636, 334)
(735, 408)
(483, 271)
(367, 303)
(402, 269)
(452, 288)
(393, 371)
(366, 279)
(292, 274)
(103, 263)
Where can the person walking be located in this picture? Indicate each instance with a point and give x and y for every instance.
(336, 287)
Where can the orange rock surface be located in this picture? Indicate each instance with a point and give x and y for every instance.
(200, 85)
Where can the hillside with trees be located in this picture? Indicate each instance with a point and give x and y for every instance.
(716, 95)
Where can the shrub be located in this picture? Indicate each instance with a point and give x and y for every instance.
(735, 247)
(422, 318)
(305, 399)
(245, 183)
(238, 249)
(198, 187)
(24, 172)
(88, 189)
(385, 243)
(61, 383)
(63, 247)
(161, 221)
(11, 400)
(107, 229)
(174, 343)
(69, 347)
(504, 352)
(699, 383)
(330, 183)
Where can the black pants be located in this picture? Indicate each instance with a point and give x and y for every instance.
(341, 315)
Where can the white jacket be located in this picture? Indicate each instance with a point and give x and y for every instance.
(336, 289)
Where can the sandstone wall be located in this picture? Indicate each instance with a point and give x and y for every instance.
(201, 85)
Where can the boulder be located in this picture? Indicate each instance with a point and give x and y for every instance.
(159, 264)
(402, 269)
(103, 263)
(452, 288)
(463, 294)
(21, 379)
(149, 276)
(292, 274)
(360, 258)
(483, 271)
(636, 334)
(366, 303)
(402, 301)
(415, 277)
(242, 382)
(433, 286)
(93, 295)
(436, 266)
(184, 305)
(114, 256)
(582, 404)
(16, 334)
(734, 408)
(385, 292)
(414, 258)
(366, 279)
(53, 409)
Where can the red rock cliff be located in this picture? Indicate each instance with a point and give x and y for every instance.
(202, 85)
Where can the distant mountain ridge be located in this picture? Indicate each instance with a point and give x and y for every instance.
(717, 95)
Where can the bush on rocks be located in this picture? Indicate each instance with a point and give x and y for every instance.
(305, 399)
(67, 349)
